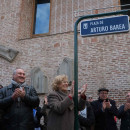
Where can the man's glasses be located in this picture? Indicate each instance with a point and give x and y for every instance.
(104, 93)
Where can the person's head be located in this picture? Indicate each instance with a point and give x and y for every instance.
(1, 86)
(19, 76)
(60, 83)
(89, 98)
(128, 97)
(103, 93)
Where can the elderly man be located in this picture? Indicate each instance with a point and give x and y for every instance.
(18, 100)
(104, 110)
(124, 114)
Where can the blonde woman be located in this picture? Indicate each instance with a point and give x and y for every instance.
(60, 101)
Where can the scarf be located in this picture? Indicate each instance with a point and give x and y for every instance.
(18, 85)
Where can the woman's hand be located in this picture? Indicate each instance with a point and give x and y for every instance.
(83, 89)
(45, 100)
(72, 90)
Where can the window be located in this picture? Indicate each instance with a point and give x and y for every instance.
(42, 17)
(125, 5)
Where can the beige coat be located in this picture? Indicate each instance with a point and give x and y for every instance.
(61, 115)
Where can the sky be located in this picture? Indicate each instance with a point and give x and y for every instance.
(42, 18)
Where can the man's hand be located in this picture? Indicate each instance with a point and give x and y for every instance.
(22, 92)
(19, 92)
(108, 105)
(104, 105)
(14, 96)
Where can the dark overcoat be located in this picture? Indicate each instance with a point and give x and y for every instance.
(104, 120)
(2, 125)
(18, 115)
(125, 118)
(61, 114)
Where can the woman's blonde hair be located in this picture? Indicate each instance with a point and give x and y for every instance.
(57, 81)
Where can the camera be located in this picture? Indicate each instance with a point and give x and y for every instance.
(70, 83)
(106, 100)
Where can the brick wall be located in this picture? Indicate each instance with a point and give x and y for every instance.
(103, 60)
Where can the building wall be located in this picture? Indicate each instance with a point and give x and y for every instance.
(103, 60)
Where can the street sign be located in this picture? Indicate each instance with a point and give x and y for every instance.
(104, 26)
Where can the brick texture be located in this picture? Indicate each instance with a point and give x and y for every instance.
(103, 60)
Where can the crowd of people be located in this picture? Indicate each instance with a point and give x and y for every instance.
(20, 110)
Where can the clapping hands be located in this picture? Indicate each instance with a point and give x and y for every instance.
(82, 91)
(106, 104)
(72, 90)
(19, 92)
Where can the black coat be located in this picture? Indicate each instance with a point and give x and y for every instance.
(18, 115)
(37, 117)
(125, 118)
(89, 121)
(104, 120)
(2, 125)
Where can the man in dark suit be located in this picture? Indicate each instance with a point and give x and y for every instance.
(18, 100)
(104, 109)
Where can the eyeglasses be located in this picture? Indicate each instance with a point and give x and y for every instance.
(89, 97)
(104, 93)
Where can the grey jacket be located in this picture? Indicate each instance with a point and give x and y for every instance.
(18, 114)
(61, 114)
